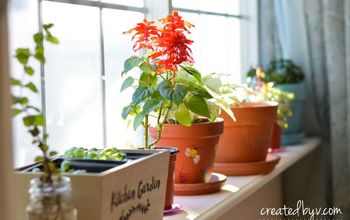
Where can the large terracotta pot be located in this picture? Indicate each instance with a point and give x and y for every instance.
(276, 137)
(248, 138)
(197, 148)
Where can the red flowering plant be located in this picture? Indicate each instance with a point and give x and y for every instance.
(168, 89)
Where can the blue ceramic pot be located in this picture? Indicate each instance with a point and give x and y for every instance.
(294, 134)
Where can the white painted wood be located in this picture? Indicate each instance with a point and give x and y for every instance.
(238, 189)
(7, 185)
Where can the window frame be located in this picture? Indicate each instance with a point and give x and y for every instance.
(152, 9)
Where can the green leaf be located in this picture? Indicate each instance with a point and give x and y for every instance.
(53, 153)
(39, 53)
(39, 159)
(138, 120)
(47, 26)
(35, 131)
(29, 70)
(146, 68)
(175, 93)
(127, 83)
(31, 120)
(198, 105)
(131, 62)
(16, 111)
(192, 71)
(151, 104)
(22, 55)
(52, 39)
(126, 111)
(38, 37)
(16, 82)
(31, 87)
(183, 116)
(213, 82)
(45, 136)
(147, 79)
(21, 100)
(141, 93)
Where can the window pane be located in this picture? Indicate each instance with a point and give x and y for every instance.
(220, 6)
(20, 35)
(216, 46)
(117, 48)
(136, 3)
(73, 77)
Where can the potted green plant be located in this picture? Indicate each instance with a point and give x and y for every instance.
(290, 78)
(133, 187)
(263, 91)
(172, 101)
(51, 191)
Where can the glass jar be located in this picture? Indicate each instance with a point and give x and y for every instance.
(51, 201)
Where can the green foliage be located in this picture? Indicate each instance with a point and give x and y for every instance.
(33, 118)
(280, 71)
(93, 153)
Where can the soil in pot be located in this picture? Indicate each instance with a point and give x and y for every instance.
(248, 138)
(197, 148)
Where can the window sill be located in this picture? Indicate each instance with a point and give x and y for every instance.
(237, 189)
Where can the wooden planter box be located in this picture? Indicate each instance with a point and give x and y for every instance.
(134, 190)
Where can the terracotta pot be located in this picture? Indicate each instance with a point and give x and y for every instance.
(248, 138)
(169, 195)
(276, 137)
(197, 147)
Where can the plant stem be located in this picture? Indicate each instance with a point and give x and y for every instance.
(146, 125)
(160, 125)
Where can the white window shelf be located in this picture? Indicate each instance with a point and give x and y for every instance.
(237, 189)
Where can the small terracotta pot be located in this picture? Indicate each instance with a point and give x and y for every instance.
(248, 138)
(197, 147)
(276, 137)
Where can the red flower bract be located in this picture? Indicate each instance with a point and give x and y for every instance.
(173, 43)
(168, 44)
(144, 34)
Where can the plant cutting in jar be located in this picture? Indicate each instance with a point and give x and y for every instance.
(169, 89)
(50, 194)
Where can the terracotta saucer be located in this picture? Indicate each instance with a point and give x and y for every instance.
(214, 185)
(244, 169)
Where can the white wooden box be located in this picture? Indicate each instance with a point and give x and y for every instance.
(102, 196)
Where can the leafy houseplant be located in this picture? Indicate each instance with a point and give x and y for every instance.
(170, 90)
(288, 77)
(266, 92)
(50, 194)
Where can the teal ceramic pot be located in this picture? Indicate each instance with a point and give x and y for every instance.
(294, 133)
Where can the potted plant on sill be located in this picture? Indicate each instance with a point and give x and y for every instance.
(127, 189)
(51, 192)
(263, 91)
(288, 77)
(182, 104)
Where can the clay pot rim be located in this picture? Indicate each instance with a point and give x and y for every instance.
(218, 120)
(265, 104)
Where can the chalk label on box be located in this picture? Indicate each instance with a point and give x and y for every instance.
(126, 195)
